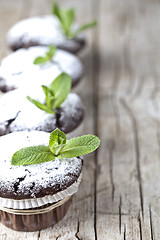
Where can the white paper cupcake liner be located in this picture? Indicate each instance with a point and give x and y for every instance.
(38, 202)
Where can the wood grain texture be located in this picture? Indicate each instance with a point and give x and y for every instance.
(119, 197)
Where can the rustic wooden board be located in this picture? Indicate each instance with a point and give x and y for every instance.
(119, 197)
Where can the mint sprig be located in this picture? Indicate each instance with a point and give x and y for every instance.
(47, 57)
(55, 94)
(67, 19)
(58, 147)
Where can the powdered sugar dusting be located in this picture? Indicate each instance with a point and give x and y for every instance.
(41, 30)
(30, 180)
(26, 116)
(18, 69)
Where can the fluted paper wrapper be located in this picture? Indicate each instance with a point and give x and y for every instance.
(38, 202)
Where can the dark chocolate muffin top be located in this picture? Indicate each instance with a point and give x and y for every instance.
(42, 31)
(33, 181)
(18, 70)
(18, 114)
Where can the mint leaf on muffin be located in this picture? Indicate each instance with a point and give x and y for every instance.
(58, 147)
(32, 155)
(40, 105)
(48, 55)
(82, 28)
(57, 141)
(74, 147)
(80, 146)
(55, 94)
(67, 19)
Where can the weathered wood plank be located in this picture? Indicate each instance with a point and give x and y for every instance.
(127, 125)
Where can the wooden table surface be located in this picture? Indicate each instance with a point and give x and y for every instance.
(119, 197)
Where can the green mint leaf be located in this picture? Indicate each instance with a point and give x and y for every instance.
(48, 55)
(70, 19)
(57, 149)
(61, 87)
(32, 155)
(40, 60)
(67, 18)
(50, 98)
(40, 105)
(50, 101)
(71, 16)
(45, 89)
(51, 52)
(55, 94)
(57, 141)
(82, 28)
(64, 20)
(56, 11)
(57, 137)
(80, 146)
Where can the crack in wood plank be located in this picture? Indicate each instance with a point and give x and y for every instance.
(120, 214)
(137, 152)
(58, 237)
(39, 233)
(151, 223)
(140, 226)
(111, 147)
(124, 234)
(95, 96)
(95, 103)
(77, 233)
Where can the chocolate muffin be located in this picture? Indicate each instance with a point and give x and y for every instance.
(18, 114)
(37, 196)
(42, 31)
(18, 70)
